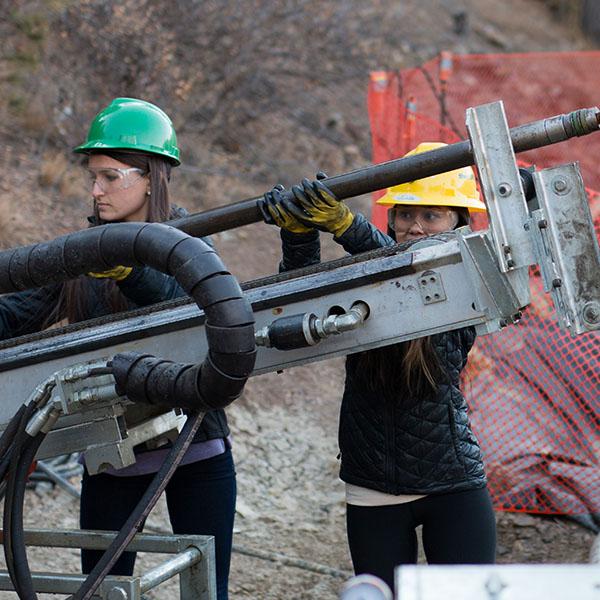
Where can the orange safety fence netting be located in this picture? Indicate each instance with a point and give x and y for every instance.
(533, 390)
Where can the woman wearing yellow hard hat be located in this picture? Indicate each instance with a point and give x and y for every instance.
(408, 454)
(433, 204)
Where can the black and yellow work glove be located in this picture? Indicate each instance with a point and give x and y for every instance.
(275, 212)
(117, 273)
(315, 205)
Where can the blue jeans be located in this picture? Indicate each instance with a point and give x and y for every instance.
(200, 500)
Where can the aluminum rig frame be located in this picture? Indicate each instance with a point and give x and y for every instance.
(537, 217)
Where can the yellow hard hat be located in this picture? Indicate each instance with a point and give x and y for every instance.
(454, 188)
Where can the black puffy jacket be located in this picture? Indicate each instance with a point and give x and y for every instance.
(28, 312)
(403, 444)
(411, 445)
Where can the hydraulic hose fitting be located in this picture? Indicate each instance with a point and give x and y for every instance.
(288, 333)
(41, 393)
(95, 395)
(336, 324)
(43, 420)
(306, 329)
(84, 370)
(51, 420)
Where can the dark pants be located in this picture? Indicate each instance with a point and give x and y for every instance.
(200, 499)
(458, 528)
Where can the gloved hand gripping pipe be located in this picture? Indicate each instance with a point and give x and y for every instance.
(216, 382)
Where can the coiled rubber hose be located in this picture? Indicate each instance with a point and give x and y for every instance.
(215, 382)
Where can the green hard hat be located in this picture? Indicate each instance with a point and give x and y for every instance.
(132, 124)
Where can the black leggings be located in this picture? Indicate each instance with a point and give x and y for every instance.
(458, 528)
(200, 500)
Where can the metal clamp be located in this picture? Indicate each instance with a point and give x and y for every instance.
(566, 246)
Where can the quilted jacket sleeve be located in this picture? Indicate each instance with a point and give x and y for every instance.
(363, 236)
(146, 286)
(467, 338)
(27, 312)
(299, 250)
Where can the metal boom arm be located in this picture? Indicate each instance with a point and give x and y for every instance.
(353, 304)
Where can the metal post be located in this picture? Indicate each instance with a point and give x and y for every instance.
(199, 580)
(171, 567)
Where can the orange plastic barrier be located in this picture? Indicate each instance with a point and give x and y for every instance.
(534, 391)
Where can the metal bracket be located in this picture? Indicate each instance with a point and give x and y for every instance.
(566, 247)
(431, 287)
(78, 389)
(500, 303)
(120, 454)
(503, 192)
(501, 184)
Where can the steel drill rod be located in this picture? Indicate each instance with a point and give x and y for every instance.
(401, 170)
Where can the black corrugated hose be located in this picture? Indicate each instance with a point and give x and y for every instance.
(214, 383)
(13, 526)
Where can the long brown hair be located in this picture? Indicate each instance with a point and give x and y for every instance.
(412, 365)
(73, 299)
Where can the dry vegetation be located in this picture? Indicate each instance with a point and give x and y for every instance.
(260, 92)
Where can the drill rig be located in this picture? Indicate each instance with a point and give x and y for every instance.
(98, 388)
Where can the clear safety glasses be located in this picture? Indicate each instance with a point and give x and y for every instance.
(429, 219)
(112, 180)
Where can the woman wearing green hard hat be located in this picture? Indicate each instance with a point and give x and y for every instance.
(131, 147)
(130, 150)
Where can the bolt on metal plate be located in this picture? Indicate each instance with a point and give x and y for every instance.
(431, 288)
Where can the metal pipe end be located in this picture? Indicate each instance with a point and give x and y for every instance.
(584, 120)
